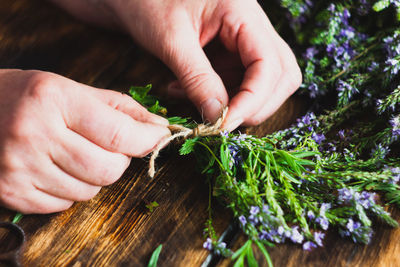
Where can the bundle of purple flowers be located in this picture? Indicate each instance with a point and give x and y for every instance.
(326, 170)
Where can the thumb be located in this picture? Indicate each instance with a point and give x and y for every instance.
(200, 82)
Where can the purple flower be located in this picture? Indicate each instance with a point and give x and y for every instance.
(395, 123)
(324, 207)
(305, 120)
(366, 199)
(345, 86)
(313, 90)
(318, 237)
(345, 195)
(309, 246)
(221, 245)
(311, 52)
(346, 14)
(332, 8)
(352, 226)
(253, 219)
(310, 215)
(280, 230)
(242, 220)
(373, 66)
(264, 235)
(254, 210)
(341, 134)
(393, 65)
(396, 175)
(318, 138)
(330, 48)
(208, 244)
(296, 236)
(266, 210)
(224, 133)
(395, 170)
(323, 222)
(235, 154)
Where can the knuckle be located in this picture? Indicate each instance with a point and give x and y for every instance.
(109, 175)
(6, 194)
(294, 77)
(120, 100)
(40, 84)
(20, 128)
(193, 80)
(254, 121)
(116, 139)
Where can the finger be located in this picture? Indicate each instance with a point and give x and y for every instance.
(260, 58)
(39, 202)
(55, 182)
(201, 83)
(86, 161)
(111, 129)
(126, 104)
(288, 83)
(27, 199)
(279, 96)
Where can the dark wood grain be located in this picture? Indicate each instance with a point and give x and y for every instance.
(115, 228)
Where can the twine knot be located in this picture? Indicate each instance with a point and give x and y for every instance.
(179, 131)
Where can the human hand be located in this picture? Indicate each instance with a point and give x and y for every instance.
(177, 30)
(60, 141)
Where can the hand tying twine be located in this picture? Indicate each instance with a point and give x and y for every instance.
(179, 131)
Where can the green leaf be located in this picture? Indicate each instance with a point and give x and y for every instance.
(290, 161)
(177, 120)
(154, 257)
(239, 262)
(265, 253)
(224, 156)
(381, 5)
(242, 250)
(141, 95)
(188, 146)
(304, 154)
(17, 217)
(251, 260)
(152, 206)
(156, 108)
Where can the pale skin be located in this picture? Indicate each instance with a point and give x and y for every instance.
(62, 140)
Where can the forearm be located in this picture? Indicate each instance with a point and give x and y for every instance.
(92, 11)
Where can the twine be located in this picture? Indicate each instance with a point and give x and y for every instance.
(179, 131)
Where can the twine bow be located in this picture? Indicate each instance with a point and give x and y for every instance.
(179, 131)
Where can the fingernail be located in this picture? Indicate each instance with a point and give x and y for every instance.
(211, 109)
(233, 125)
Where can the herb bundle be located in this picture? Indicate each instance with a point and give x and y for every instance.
(329, 168)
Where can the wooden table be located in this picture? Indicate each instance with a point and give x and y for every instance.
(115, 228)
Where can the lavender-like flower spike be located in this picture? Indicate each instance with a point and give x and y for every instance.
(308, 246)
(208, 244)
(296, 236)
(242, 220)
(318, 237)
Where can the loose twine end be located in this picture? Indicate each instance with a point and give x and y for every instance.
(179, 131)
